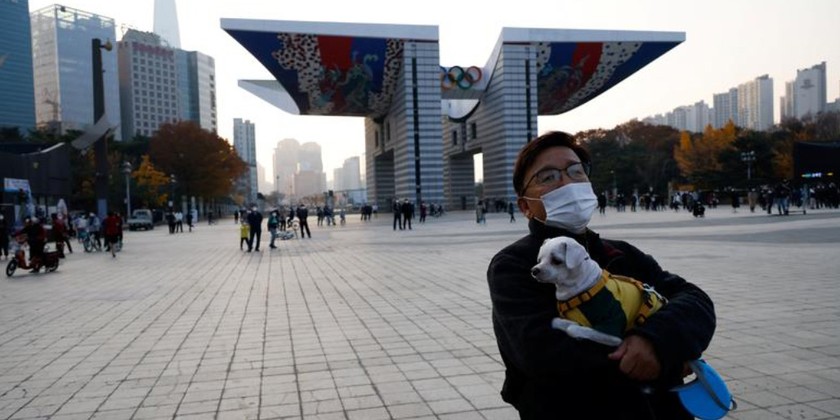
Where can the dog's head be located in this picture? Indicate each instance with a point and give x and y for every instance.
(564, 262)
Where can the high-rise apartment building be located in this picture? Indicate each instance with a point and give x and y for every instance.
(162, 84)
(755, 103)
(245, 144)
(17, 107)
(725, 108)
(697, 117)
(63, 68)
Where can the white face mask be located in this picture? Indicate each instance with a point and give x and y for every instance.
(570, 207)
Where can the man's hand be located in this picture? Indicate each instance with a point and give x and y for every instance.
(637, 359)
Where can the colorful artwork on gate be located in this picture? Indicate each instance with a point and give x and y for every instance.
(571, 73)
(356, 76)
(330, 75)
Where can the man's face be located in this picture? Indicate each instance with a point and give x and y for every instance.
(559, 157)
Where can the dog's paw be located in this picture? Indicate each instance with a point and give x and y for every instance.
(562, 324)
(586, 333)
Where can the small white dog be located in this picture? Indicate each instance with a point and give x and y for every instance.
(605, 304)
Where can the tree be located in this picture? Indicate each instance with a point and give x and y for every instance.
(699, 157)
(151, 184)
(634, 155)
(203, 163)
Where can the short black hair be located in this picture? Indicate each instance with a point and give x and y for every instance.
(532, 149)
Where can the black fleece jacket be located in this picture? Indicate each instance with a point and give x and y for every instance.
(552, 376)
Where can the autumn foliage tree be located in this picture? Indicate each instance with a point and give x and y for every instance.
(151, 184)
(698, 157)
(204, 164)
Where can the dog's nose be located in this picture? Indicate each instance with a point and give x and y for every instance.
(535, 272)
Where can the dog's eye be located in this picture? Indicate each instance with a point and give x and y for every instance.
(556, 261)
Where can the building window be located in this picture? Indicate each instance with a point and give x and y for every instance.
(473, 131)
(454, 137)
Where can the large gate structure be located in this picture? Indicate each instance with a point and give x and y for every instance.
(424, 122)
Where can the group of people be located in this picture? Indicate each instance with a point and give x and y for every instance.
(327, 214)
(175, 220)
(35, 233)
(279, 222)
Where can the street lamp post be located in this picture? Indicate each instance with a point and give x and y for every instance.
(749, 158)
(172, 181)
(101, 147)
(127, 172)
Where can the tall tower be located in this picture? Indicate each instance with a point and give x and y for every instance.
(244, 141)
(166, 22)
(61, 39)
(17, 108)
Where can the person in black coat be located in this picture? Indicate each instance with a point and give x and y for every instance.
(302, 214)
(255, 229)
(550, 375)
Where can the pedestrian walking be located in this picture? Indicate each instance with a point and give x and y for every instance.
(255, 226)
(190, 220)
(272, 228)
(302, 213)
(397, 215)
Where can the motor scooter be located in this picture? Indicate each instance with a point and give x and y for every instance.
(49, 262)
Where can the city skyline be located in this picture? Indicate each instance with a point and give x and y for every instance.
(726, 44)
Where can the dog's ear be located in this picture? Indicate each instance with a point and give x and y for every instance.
(575, 255)
(558, 252)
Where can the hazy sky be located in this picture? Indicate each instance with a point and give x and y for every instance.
(728, 42)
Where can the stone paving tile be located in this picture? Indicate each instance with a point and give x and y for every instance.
(364, 323)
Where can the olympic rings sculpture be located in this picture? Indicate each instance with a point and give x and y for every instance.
(456, 76)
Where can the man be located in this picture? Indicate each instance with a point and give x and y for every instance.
(59, 230)
(407, 213)
(112, 228)
(397, 214)
(255, 226)
(36, 238)
(302, 214)
(550, 375)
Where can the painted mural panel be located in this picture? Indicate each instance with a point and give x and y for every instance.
(330, 75)
(570, 74)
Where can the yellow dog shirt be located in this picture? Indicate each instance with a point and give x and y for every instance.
(613, 305)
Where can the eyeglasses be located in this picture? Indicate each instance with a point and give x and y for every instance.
(578, 171)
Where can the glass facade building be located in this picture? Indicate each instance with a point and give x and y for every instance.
(17, 108)
(197, 88)
(63, 68)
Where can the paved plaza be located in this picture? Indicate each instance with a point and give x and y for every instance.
(362, 322)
